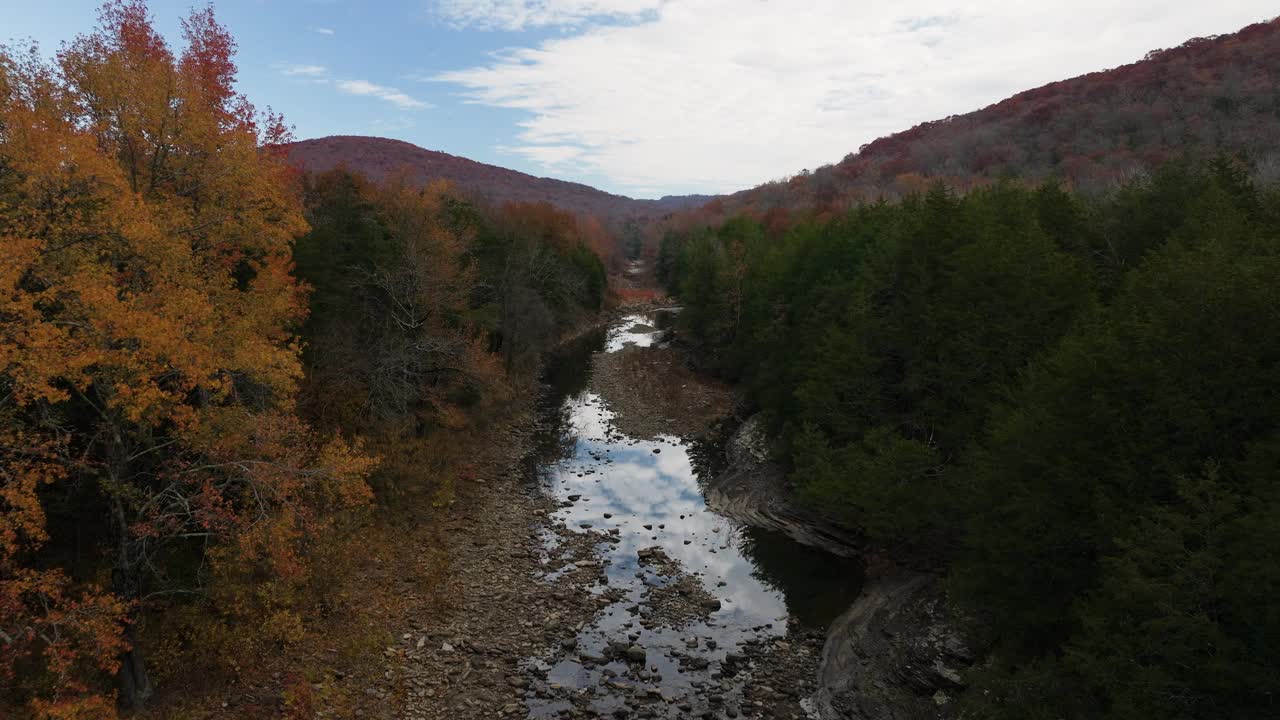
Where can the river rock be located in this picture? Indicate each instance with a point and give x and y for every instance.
(750, 446)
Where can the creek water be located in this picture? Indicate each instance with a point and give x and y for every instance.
(648, 493)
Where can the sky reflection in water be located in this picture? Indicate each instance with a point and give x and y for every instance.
(762, 579)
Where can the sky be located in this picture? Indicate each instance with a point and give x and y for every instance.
(654, 97)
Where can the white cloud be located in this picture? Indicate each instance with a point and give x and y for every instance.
(523, 14)
(309, 71)
(719, 95)
(323, 31)
(382, 92)
(389, 126)
(320, 74)
(546, 155)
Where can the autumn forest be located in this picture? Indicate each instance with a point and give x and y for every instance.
(1032, 352)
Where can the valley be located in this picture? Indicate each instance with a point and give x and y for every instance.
(980, 421)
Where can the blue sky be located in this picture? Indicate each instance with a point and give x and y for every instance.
(650, 97)
(380, 43)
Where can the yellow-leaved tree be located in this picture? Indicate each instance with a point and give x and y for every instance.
(148, 359)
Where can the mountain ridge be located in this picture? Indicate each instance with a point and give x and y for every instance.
(379, 157)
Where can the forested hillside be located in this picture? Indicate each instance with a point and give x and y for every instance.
(1207, 96)
(1070, 401)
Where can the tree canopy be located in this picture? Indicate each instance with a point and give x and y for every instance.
(1070, 402)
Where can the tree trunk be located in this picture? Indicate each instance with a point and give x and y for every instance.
(506, 322)
(135, 684)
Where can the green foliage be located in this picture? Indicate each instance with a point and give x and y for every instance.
(1153, 621)
(883, 479)
(587, 265)
(1074, 403)
(880, 339)
(704, 286)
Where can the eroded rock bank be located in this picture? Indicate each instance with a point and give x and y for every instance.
(897, 653)
(753, 490)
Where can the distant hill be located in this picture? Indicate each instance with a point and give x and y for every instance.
(679, 202)
(378, 157)
(1206, 97)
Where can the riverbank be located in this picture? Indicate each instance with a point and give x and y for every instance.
(421, 567)
(897, 652)
(416, 572)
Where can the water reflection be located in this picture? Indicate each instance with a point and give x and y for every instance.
(641, 330)
(817, 586)
(647, 493)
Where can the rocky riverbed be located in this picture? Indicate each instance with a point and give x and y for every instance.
(591, 577)
(649, 387)
(697, 620)
(561, 604)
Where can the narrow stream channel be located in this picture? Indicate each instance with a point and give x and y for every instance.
(647, 494)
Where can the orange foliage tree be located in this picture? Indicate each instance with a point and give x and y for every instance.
(148, 362)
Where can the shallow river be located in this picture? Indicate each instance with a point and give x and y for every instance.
(648, 493)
